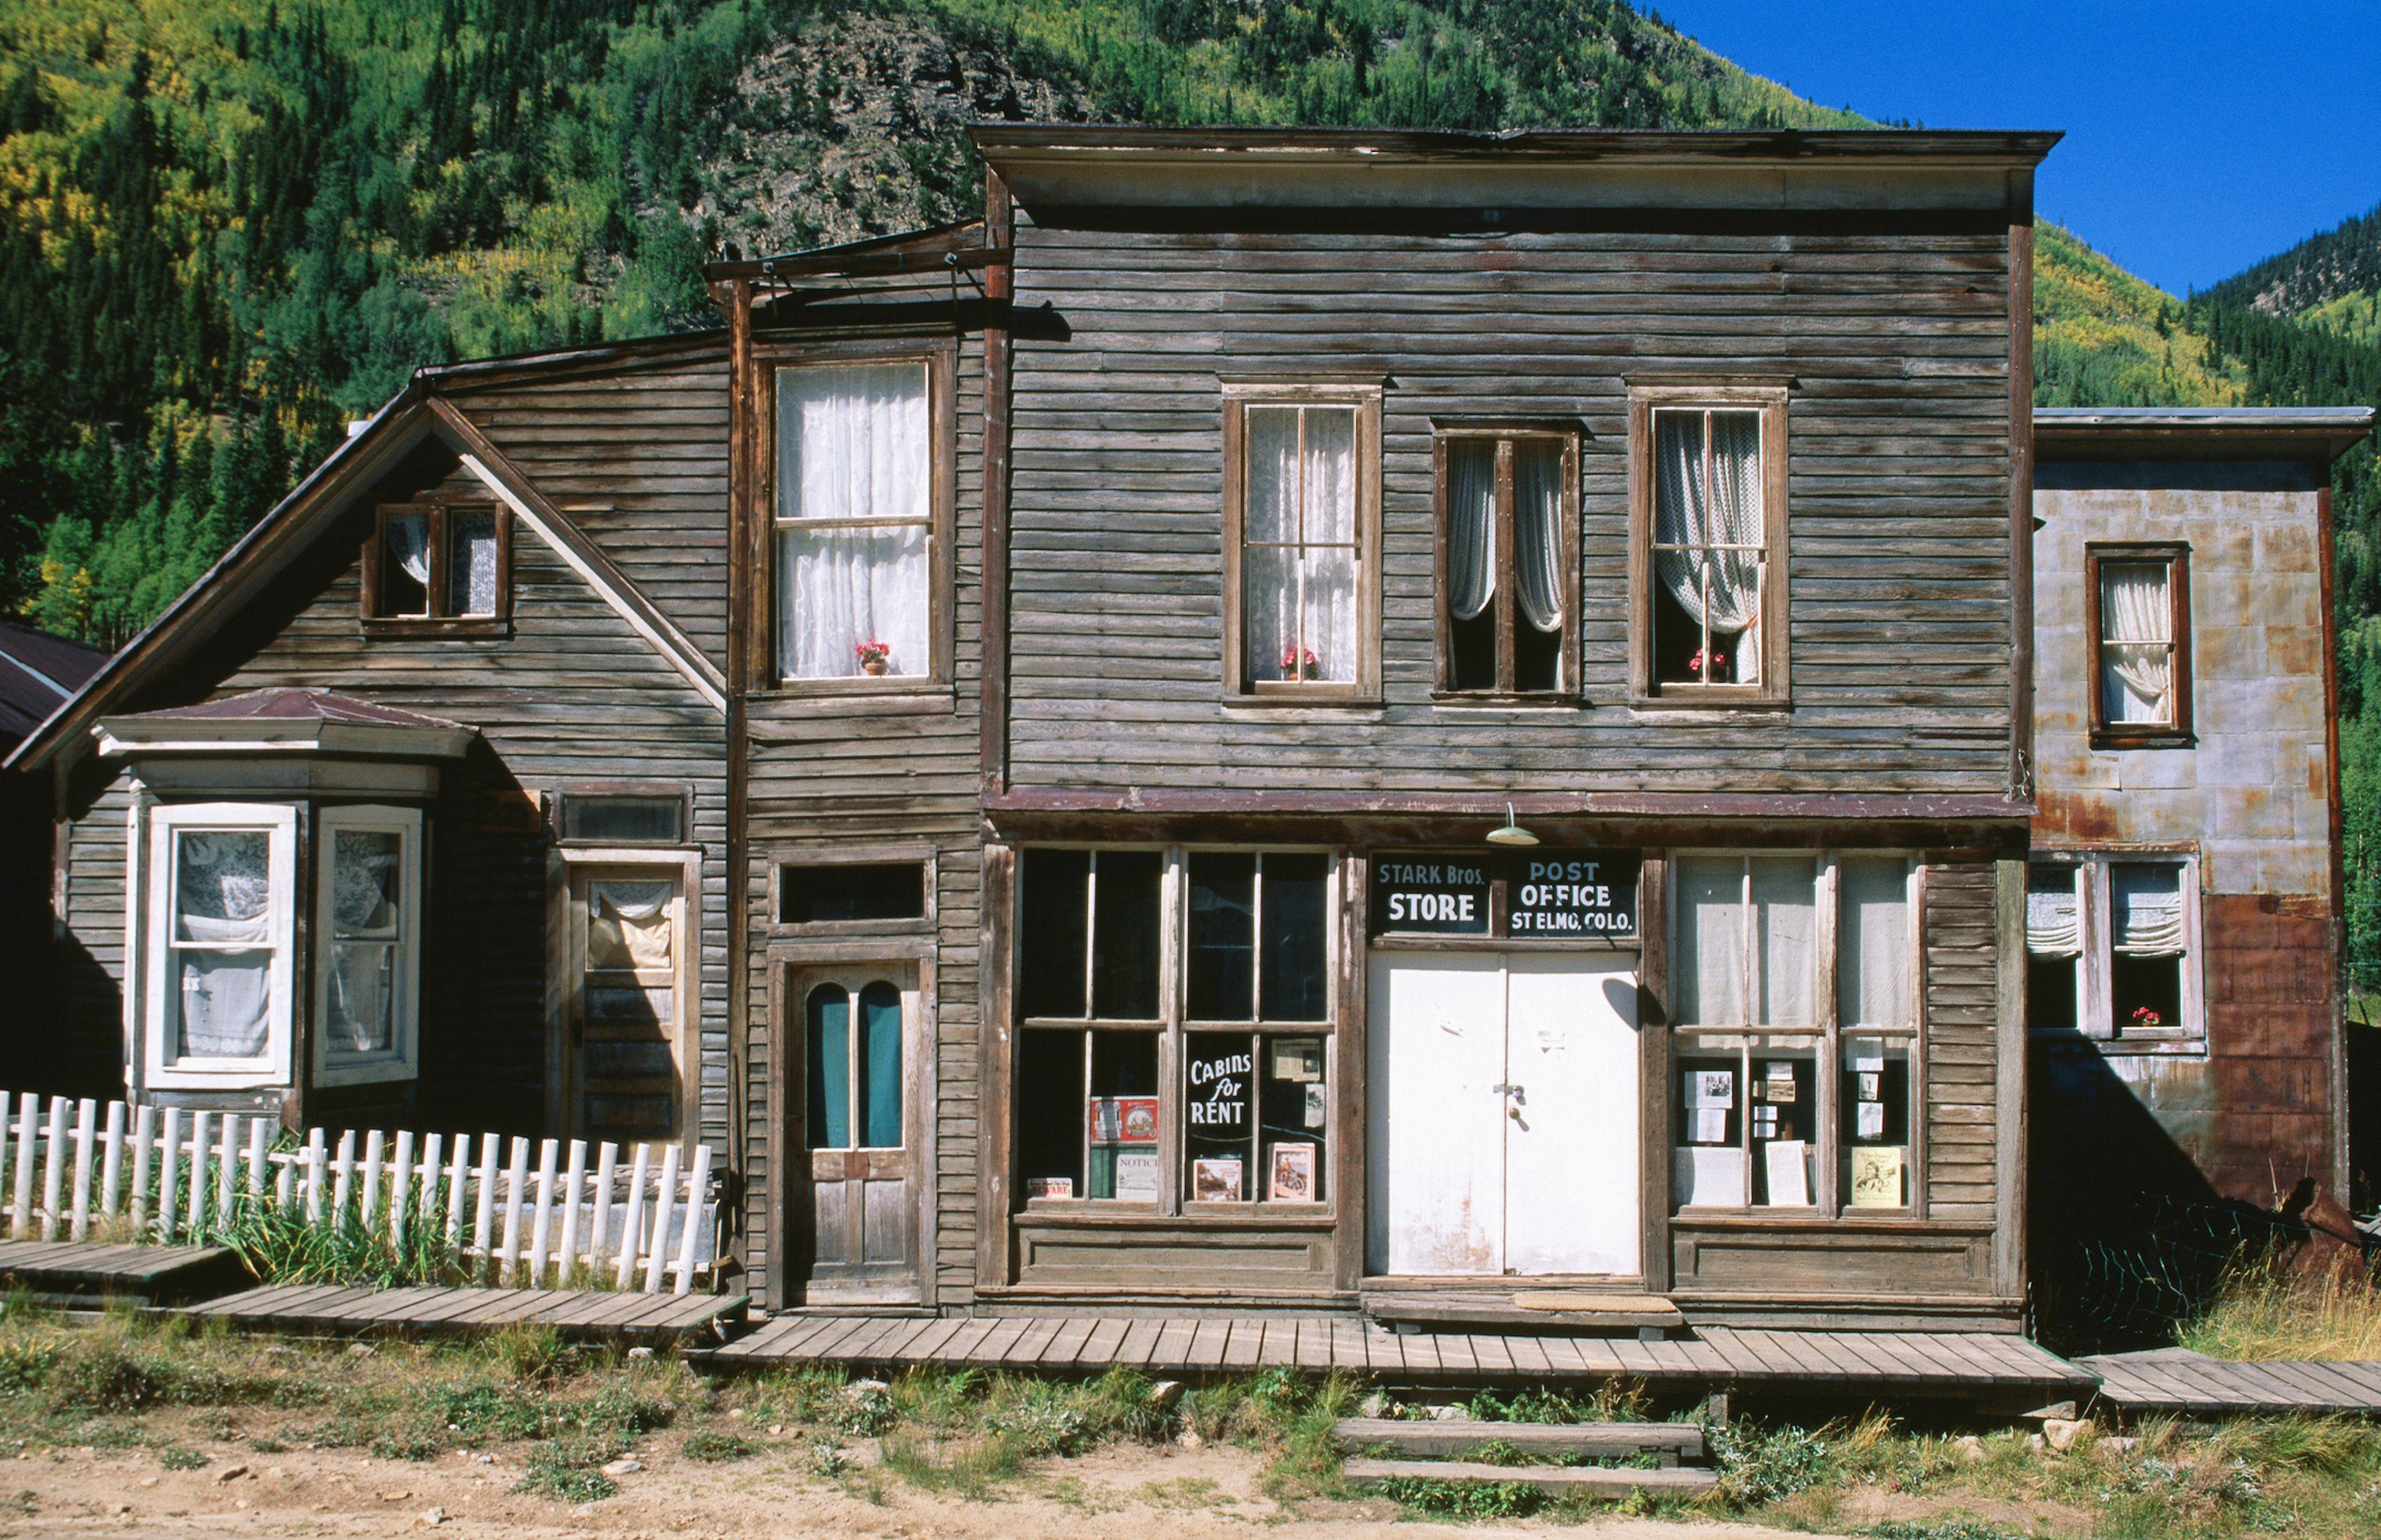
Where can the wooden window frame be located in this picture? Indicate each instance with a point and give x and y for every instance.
(1175, 1029)
(436, 507)
(1823, 1041)
(1365, 401)
(940, 358)
(2176, 734)
(557, 820)
(402, 1060)
(1505, 436)
(2094, 964)
(926, 856)
(152, 911)
(1776, 689)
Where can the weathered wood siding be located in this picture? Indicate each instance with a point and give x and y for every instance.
(1963, 1041)
(1899, 498)
(829, 773)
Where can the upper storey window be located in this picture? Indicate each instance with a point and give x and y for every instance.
(2140, 599)
(859, 532)
(1302, 541)
(1708, 523)
(438, 567)
(1508, 505)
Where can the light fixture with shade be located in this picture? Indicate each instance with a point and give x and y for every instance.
(1512, 832)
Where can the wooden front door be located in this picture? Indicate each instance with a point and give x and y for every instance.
(857, 1029)
(1504, 1109)
(630, 983)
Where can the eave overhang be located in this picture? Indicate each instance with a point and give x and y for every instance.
(2313, 434)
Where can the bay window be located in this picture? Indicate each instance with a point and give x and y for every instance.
(859, 519)
(368, 920)
(221, 887)
(1302, 541)
(1794, 990)
(1176, 1017)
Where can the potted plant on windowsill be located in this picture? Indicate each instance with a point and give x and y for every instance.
(875, 657)
(1708, 667)
(1300, 663)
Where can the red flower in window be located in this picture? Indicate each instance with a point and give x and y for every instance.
(1708, 667)
(2145, 1016)
(1300, 663)
(873, 655)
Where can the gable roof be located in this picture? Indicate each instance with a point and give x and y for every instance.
(414, 415)
(38, 672)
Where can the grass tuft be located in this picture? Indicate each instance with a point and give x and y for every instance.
(2261, 1313)
(715, 1448)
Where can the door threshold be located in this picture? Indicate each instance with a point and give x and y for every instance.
(1528, 1304)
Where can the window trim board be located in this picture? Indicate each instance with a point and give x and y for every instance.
(436, 505)
(1568, 691)
(2105, 734)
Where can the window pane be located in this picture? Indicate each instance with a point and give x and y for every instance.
(1050, 1113)
(839, 891)
(1269, 612)
(1123, 1117)
(852, 443)
(2050, 1000)
(2148, 903)
(1218, 1100)
(223, 886)
(1784, 1108)
(829, 1012)
(1875, 1106)
(1710, 981)
(2136, 636)
(1294, 1111)
(1055, 887)
(629, 927)
(1785, 928)
(472, 562)
(1707, 1167)
(623, 820)
(1471, 527)
(845, 597)
(2054, 922)
(225, 1002)
(1297, 939)
(880, 1066)
(1328, 621)
(1124, 936)
(367, 910)
(1708, 504)
(404, 564)
(1328, 475)
(1872, 944)
(1538, 578)
(1271, 489)
(2144, 993)
(1222, 927)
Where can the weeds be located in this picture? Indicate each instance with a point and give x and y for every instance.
(2262, 1312)
(1462, 1499)
(177, 1459)
(713, 1448)
(1758, 1466)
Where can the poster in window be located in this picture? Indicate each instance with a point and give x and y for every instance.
(1216, 1179)
(1049, 1187)
(1711, 1088)
(1136, 1176)
(1293, 1174)
(1216, 1104)
(1298, 1059)
(1877, 1175)
(1123, 1120)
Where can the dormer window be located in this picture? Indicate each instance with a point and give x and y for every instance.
(441, 568)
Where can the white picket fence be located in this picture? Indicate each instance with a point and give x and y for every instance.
(168, 1174)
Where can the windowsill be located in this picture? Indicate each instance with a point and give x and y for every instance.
(2105, 738)
(858, 684)
(2181, 1042)
(1722, 698)
(366, 1074)
(825, 929)
(1524, 700)
(1861, 1219)
(422, 628)
(1269, 696)
(1091, 1212)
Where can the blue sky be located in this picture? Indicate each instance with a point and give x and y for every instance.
(2201, 137)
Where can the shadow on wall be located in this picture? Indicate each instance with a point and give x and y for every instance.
(2364, 1116)
(2125, 1233)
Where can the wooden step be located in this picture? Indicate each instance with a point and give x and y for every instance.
(1669, 1442)
(1535, 1311)
(1593, 1481)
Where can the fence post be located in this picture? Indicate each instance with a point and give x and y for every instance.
(111, 1164)
(256, 1140)
(694, 1190)
(54, 1168)
(426, 1180)
(516, 1179)
(537, 1244)
(629, 1225)
(368, 1203)
(314, 1158)
(29, 1113)
(399, 1173)
(456, 1190)
(665, 1204)
(607, 1163)
(483, 1216)
(285, 1178)
(194, 1219)
(169, 1174)
(144, 1149)
(227, 1166)
(574, 1178)
(343, 1173)
(86, 1119)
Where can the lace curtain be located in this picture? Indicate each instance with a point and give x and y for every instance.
(222, 900)
(2054, 922)
(629, 927)
(405, 540)
(471, 565)
(1298, 562)
(1721, 589)
(2136, 643)
(366, 945)
(2148, 904)
(1751, 962)
(1537, 532)
(852, 443)
(1471, 527)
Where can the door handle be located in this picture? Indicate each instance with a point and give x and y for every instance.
(1518, 1093)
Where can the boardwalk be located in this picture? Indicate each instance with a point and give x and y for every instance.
(2174, 1379)
(578, 1314)
(1906, 1362)
(76, 1271)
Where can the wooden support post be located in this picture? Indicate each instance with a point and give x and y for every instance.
(686, 1245)
(664, 1206)
(574, 1177)
(194, 1219)
(628, 1222)
(54, 1168)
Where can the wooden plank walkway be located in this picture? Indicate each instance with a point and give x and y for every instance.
(1911, 1363)
(74, 1271)
(2176, 1379)
(580, 1315)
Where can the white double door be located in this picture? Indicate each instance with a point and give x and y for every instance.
(1503, 1096)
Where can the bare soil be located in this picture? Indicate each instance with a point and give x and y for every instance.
(1130, 1490)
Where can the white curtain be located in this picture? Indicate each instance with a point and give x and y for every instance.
(1872, 944)
(1710, 987)
(2136, 643)
(852, 443)
(366, 912)
(223, 897)
(1786, 930)
(406, 539)
(1471, 527)
(2053, 923)
(629, 927)
(473, 565)
(1748, 964)
(1718, 588)
(1537, 532)
(2148, 904)
(1298, 570)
